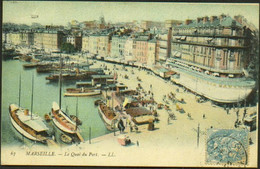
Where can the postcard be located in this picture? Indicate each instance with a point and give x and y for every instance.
(130, 84)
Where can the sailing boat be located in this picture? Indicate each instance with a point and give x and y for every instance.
(108, 115)
(60, 119)
(26, 123)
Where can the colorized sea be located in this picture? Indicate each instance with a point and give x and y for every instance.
(45, 93)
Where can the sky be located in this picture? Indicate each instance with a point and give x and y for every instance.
(60, 13)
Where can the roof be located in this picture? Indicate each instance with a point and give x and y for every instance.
(138, 111)
(226, 22)
(102, 76)
(81, 83)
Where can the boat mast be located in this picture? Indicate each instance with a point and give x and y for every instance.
(77, 114)
(20, 91)
(32, 96)
(60, 81)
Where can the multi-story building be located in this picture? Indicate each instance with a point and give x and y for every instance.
(14, 38)
(48, 40)
(140, 49)
(27, 38)
(93, 44)
(75, 40)
(162, 46)
(117, 46)
(128, 49)
(210, 55)
(103, 45)
(151, 52)
(85, 43)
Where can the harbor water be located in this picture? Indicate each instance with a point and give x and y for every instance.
(45, 93)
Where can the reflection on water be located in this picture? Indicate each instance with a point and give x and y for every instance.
(44, 94)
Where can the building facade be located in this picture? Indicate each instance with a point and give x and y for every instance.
(48, 40)
(117, 46)
(85, 43)
(213, 42)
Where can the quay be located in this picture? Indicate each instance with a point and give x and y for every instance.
(176, 138)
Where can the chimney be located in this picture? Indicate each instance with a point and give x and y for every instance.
(198, 20)
(205, 19)
(188, 21)
(239, 18)
(213, 18)
(221, 17)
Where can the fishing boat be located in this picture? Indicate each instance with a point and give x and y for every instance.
(82, 92)
(108, 116)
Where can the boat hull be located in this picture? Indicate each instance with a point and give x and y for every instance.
(22, 132)
(108, 123)
(82, 94)
(63, 129)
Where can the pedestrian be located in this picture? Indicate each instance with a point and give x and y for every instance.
(250, 141)
(204, 116)
(237, 113)
(137, 143)
(168, 120)
(244, 114)
(136, 129)
(227, 110)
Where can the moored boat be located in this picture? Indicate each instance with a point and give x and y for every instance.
(72, 76)
(82, 92)
(66, 139)
(62, 121)
(108, 116)
(27, 124)
(32, 65)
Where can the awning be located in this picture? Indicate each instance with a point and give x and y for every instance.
(230, 75)
(178, 37)
(174, 53)
(183, 38)
(178, 54)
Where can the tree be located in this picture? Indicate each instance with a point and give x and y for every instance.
(68, 48)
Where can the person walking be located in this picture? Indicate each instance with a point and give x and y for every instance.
(237, 113)
(244, 114)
